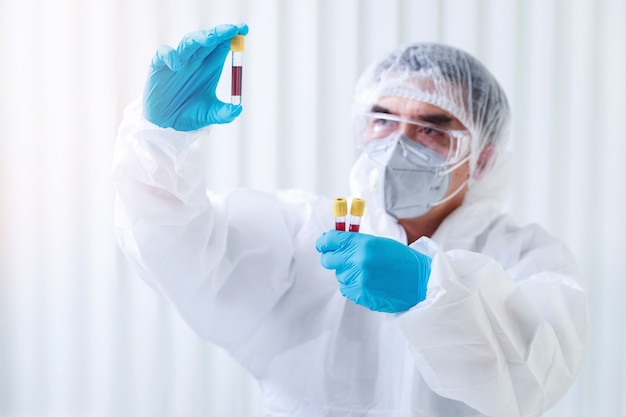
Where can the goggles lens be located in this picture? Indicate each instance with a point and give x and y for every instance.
(374, 131)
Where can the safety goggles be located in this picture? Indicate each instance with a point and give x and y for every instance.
(375, 132)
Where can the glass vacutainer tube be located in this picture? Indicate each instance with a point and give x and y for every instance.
(357, 207)
(340, 210)
(236, 47)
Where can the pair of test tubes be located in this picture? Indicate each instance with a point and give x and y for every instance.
(236, 48)
(340, 210)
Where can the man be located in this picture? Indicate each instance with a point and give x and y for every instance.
(440, 306)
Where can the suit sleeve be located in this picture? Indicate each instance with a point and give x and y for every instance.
(503, 329)
(223, 261)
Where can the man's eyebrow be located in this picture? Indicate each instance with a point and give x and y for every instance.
(380, 109)
(437, 119)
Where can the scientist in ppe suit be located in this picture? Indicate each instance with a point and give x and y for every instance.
(440, 306)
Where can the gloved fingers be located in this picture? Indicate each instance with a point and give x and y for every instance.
(165, 56)
(242, 28)
(171, 58)
(218, 112)
(332, 240)
(228, 31)
(334, 260)
(217, 55)
(338, 249)
(201, 43)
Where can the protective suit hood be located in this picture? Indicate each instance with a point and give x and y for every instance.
(458, 83)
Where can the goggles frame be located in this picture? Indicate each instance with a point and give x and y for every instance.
(453, 145)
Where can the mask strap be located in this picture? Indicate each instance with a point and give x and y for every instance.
(455, 166)
(458, 190)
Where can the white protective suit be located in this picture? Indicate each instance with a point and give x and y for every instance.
(501, 332)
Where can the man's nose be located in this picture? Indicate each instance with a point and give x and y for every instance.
(409, 130)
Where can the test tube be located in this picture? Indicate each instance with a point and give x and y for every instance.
(340, 210)
(357, 207)
(236, 47)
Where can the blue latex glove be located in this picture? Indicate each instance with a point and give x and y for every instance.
(378, 273)
(180, 90)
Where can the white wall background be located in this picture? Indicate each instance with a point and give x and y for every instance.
(81, 335)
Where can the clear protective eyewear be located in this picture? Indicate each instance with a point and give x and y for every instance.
(376, 131)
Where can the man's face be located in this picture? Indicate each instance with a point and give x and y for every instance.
(432, 116)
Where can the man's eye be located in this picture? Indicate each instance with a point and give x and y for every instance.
(432, 134)
(433, 138)
(380, 128)
(381, 122)
(429, 131)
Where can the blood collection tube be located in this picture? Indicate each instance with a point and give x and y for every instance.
(340, 210)
(357, 207)
(236, 47)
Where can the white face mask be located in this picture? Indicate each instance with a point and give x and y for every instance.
(408, 178)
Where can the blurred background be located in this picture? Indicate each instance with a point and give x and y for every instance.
(82, 335)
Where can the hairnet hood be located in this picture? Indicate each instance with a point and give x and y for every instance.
(445, 77)
(458, 83)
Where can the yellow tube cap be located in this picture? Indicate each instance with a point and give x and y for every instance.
(340, 207)
(236, 43)
(357, 207)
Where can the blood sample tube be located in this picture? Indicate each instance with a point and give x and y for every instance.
(340, 210)
(236, 47)
(357, 207)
